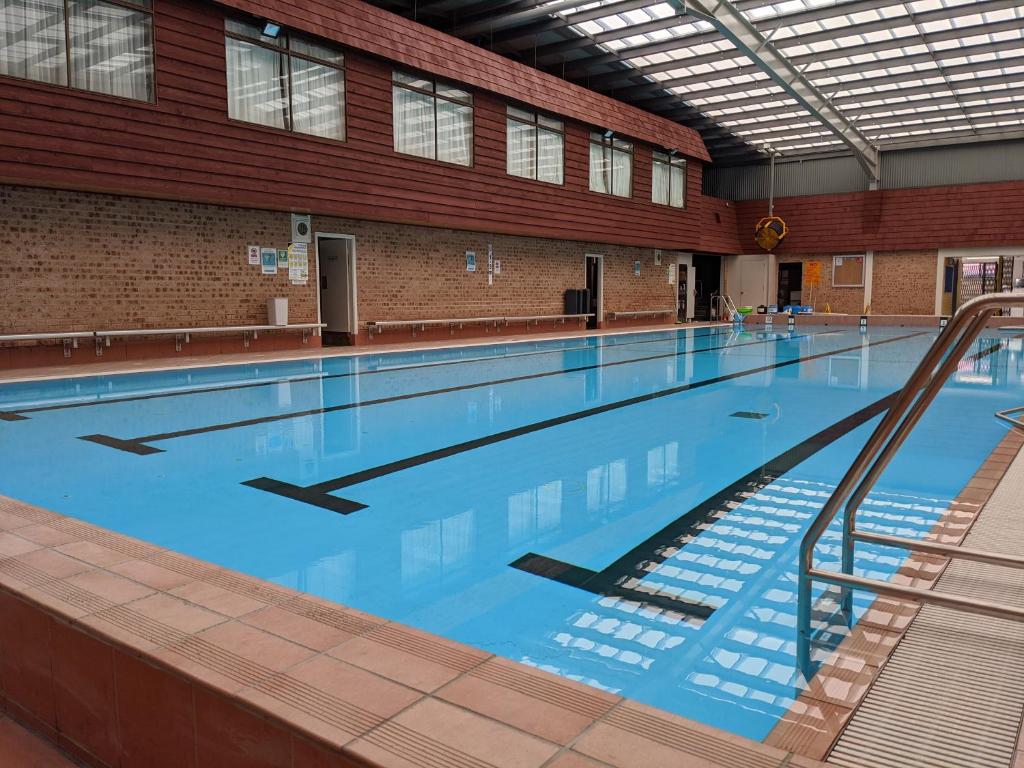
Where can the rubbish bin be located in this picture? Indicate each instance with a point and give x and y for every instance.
(277, 311)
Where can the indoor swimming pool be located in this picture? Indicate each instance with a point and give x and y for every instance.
(621, 510)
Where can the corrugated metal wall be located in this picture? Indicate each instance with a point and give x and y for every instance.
(931, 167)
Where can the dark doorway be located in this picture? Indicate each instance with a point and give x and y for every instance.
(707, 277)
(791, 277)
(593, 290)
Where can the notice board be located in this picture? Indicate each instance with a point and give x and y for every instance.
(848, 271)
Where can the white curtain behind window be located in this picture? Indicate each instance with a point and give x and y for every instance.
(111, 49)
(414, 122)
(521, 159)
(622, 173)
(257, 84)
(599, 157)
(678, 186)
(660, 183)
(454, 132)
(550, 162)
(318, 97)
(32, 40)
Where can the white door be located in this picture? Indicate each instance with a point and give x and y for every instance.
(750, 286)
(336, 262)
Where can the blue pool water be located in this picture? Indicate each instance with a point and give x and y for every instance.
(624, 511)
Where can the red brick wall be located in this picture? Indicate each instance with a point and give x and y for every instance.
(904, 283)
(71, 261)
(840, 300)
(82, 261)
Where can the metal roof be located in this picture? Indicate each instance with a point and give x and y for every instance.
(931, 71)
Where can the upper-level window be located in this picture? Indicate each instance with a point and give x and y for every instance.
(668, 180)
(288, 81)
(105, 46)
(611, 165)
(536, 146)
(432, 119)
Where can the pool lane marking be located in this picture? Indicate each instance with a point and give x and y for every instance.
(622, 577)
(17, 413)
(141, 447)
(319, 494)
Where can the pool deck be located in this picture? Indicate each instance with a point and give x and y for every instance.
(127, 654)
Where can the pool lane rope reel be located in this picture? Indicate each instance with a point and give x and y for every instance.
(771, 230)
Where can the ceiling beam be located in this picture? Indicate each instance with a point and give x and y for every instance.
(820, 57)
(733, 25)
(676, 43)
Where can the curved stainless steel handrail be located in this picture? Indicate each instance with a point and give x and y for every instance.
(926, 380)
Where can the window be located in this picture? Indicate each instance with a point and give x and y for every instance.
(611, 165)
(536, 146)
(104, 46)
(287, 82)
(668, 181)
(432, 119)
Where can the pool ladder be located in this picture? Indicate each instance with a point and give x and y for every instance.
(721, 303)
(938, 364)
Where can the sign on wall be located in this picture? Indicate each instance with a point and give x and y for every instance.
(636, 268)
(268, 260)
(497, 266)
(282, 258)
(471, 261)
(671, 274)
(254, 254)
(657, 257)
(298, 263)
(812, 274)
(490, 264)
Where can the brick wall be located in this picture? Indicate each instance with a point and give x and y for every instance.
(72, 261)
(842, 300)
(409, 273)
(81, 261)
(904, 283)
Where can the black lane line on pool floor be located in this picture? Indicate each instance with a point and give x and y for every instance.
(624, 577)
(139, 445)
(18, 413)
(319, 494)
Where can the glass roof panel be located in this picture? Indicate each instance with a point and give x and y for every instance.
(893, 65)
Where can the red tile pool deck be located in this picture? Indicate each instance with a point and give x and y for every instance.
(126, 654)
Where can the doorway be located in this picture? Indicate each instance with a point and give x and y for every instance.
(336, 267)
(707, 281)
(594, 264)
(791, 278)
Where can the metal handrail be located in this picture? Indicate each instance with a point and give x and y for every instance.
(927, 379)
(1008, 416)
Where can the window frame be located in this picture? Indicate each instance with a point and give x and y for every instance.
(435, 85)
(288, 53)
(611, 144)
(537, 126)
(142, 6)
(672, 160)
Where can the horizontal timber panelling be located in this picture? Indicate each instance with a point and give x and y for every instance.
(184, 147)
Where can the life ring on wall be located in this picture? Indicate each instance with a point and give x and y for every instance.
(770, 231)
